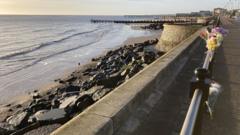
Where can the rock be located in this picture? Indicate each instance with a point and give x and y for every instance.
(109, 53)
(51, 96)
(146, 43)
(87, 85)
(100, 93)
(154, 26)
(60, 81)
(135, 69)
(19, 119)
(10, 110)
(128, 59)
(71, 79)
(98, 77)
(92, 90)
(36, 95)
(148, 57)
(83, 102)
(55, 103)
(68, 102)
(111, 81)
(69, 94)
(3, 131)
(18, 106)
(54, 115)
(35, 91)
(6, 129)
(152, 42)
(39, 104)
(125, 72)
(72, 88)
(94, 59)
(8, 105)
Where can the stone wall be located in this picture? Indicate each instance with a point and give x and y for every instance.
(172, 35)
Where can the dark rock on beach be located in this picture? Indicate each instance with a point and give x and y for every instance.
(82, 88)
(154, 26)
(52, 116)
(19, 120)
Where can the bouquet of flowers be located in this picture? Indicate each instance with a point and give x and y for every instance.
(212, 44)
(204, 35)
(214, 38)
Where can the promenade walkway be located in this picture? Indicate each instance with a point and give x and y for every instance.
(168, 115)
(227, 72)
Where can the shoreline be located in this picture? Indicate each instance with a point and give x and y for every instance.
(44, 89)
(13, 106)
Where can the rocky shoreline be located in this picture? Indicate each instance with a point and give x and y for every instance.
(80, 89)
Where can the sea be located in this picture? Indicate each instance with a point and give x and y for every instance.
(36, 50)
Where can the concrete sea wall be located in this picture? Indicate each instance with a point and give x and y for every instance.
(173, 34)
(120, 112)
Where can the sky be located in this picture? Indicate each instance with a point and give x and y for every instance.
(106, 7)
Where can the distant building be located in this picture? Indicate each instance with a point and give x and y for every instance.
(219, 11)
(205, 13)
(182, 14)
(195, 14)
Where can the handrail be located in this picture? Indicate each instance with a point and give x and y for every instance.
(192, 122)
(191, 117)
(208, 59)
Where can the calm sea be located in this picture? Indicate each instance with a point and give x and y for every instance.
(35, 50)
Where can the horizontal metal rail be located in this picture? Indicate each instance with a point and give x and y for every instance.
(194, 109)
(208, 59)
(188, 126)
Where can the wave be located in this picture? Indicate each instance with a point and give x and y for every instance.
(43, 29)
(67, 31)
(45, 45)
(52, 55)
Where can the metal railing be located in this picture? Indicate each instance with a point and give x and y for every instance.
(199, 92)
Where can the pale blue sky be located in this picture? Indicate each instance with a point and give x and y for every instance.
(105, 7)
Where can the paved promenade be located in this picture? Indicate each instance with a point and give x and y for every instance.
(227, 71)
(168, 115)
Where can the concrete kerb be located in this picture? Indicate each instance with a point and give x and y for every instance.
(109, 114)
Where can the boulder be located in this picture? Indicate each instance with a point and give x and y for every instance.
(86, 85)
(6, 128)
(39, 104)
(19, 119)
(3, 131)
(68, 102)
(55, 103)
(148, 57)
(36, 95)
(83, 102)
(72, 88)
(92, 90)
(111, 81)
(100, 93)
(54, 115)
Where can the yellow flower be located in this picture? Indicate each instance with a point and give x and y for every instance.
(212, 44)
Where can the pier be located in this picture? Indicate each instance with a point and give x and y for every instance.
(161, 20)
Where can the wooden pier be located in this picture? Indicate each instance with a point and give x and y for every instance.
(163, 19)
